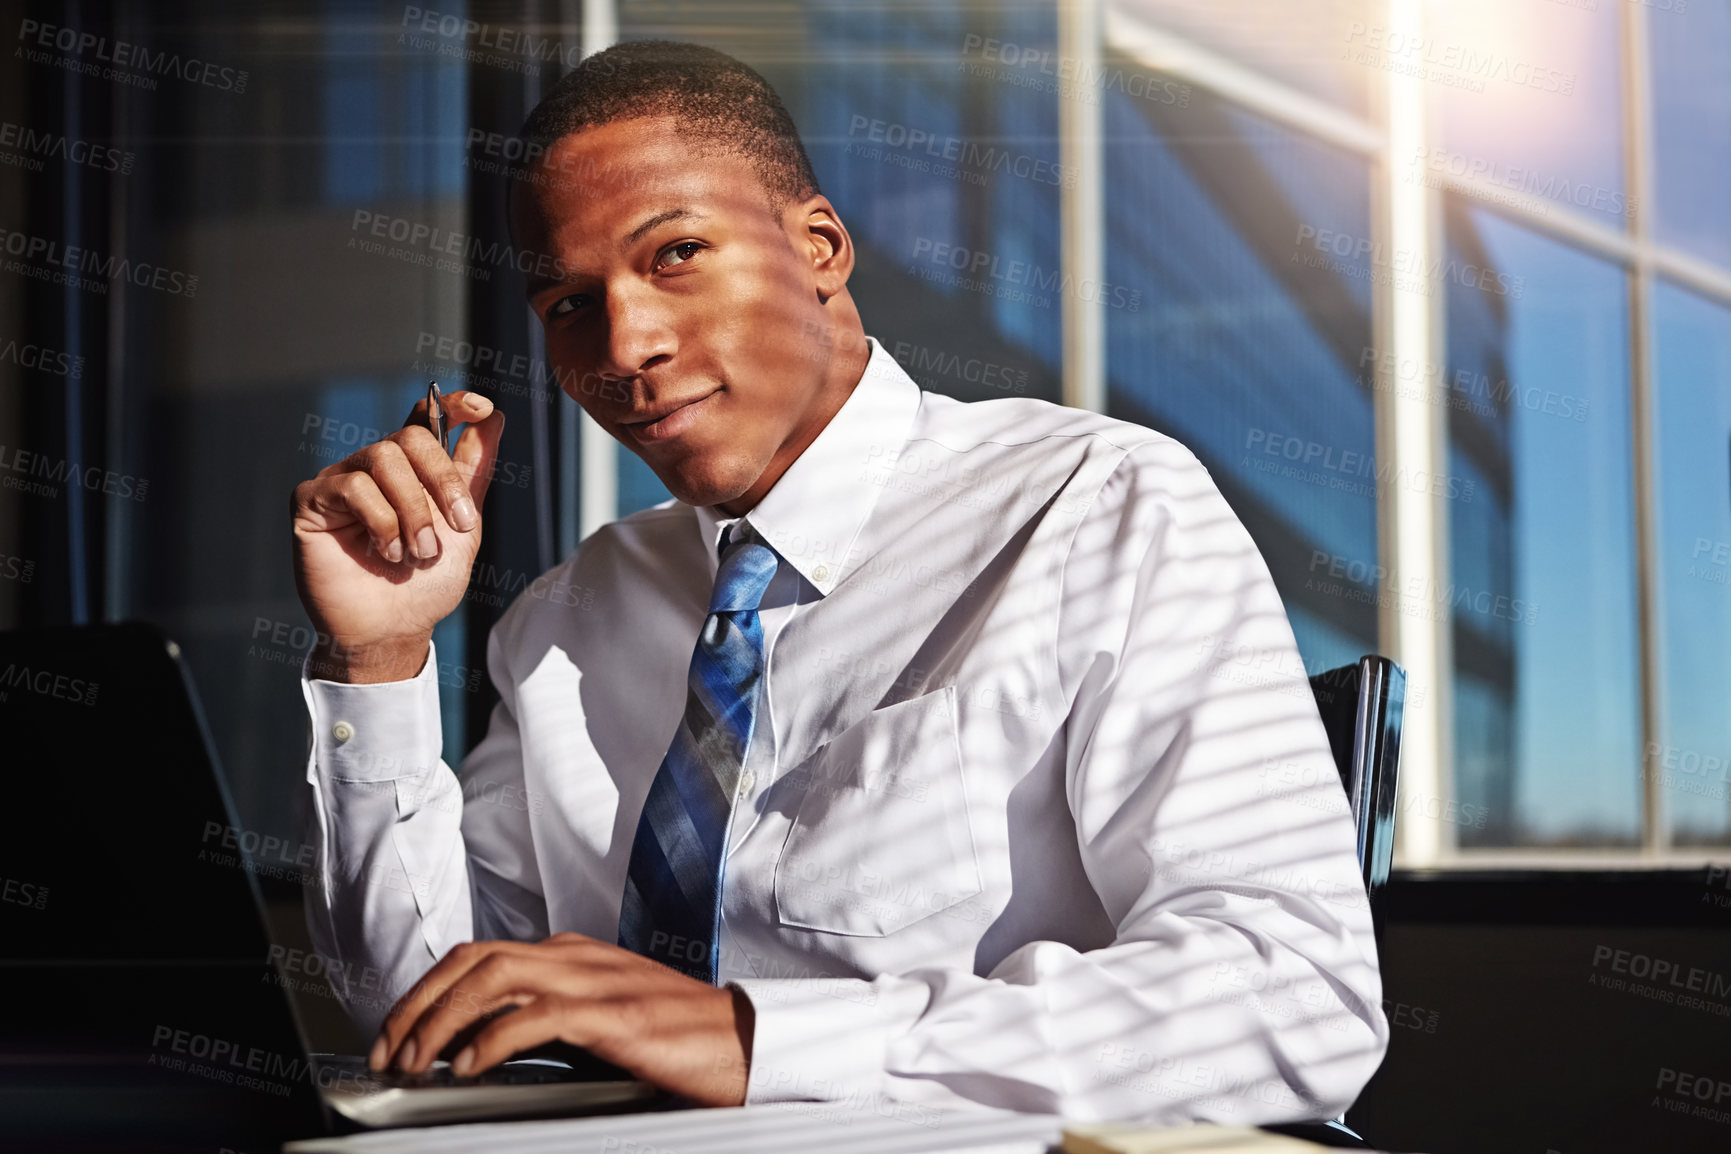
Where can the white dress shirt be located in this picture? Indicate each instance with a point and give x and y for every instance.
(1038, 811)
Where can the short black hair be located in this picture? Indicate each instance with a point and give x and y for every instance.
(722, 102)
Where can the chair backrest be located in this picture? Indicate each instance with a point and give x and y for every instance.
(1361, 707)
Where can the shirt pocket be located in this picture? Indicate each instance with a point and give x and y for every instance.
(881, 839)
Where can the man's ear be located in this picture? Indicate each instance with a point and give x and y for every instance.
(827, 241)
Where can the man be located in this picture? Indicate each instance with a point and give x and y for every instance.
(993, 776)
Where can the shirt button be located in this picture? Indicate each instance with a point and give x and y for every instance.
(747, 781)
(821, 573)
(342, 731)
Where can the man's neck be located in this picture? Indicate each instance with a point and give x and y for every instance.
(847, 370)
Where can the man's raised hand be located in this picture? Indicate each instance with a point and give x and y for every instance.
(384, 540)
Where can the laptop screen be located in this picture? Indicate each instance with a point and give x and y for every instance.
(135, 958)
(116, 842)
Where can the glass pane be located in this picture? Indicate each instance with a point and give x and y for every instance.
(1692, 395)
(1245, 339)
(1691, 47)
(1304, 45)
(1542, 581)
(1528, 97)
(307, 338)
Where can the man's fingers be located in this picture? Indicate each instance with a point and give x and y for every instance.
(473, 455)
(439, 985)
(544, 1020)
(503, 978)
(476, 452)
(681, 1034)
(347, 498)
(439, 476)
(459, 407)
(390, 468)
(434, 984)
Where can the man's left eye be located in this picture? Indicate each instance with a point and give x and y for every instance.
(684, 251)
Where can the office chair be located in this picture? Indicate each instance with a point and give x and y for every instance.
(1361, 707)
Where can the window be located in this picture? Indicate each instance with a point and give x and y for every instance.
(1546, 258)
(1691, 49)
(1691, 755)
(1542, 583)
(1439, 291)
(1243, 338)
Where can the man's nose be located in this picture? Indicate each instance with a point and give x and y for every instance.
(639, 333)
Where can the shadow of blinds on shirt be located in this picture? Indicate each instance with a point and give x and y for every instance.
(1209, 818)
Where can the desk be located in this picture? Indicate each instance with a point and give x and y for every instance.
(789, 1128)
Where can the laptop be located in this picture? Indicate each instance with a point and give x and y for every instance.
(144, 1006)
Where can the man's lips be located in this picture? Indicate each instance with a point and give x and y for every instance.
(669, 422)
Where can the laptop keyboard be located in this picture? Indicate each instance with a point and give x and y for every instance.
(353, 1071)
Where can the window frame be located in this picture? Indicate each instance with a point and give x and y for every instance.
(1411, 434)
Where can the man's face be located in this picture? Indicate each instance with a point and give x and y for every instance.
(683, 314)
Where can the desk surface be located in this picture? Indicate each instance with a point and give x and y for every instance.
(794, 1128)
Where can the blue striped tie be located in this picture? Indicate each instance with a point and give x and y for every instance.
(672, 906)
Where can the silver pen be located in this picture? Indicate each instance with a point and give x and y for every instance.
(436, 417)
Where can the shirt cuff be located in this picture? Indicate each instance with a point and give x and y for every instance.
(823, 1039)
(378, 732)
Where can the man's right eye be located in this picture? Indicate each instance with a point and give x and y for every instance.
(565, 306)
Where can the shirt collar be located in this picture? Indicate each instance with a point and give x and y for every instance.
(813, 513)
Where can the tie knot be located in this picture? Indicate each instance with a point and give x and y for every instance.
(744, 573)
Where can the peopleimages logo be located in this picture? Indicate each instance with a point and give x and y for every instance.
(251, 1067)
(127, 62)
(43, 359)
(39, 256)
(1067, 76)
(1466, 389)
(1696, 1095)
(1518, 178)
(1400, 267)
(18, 569)
(1456, 65)
(34, 145)
(1421, 595)
(1287, 456)
(497, 45)
(925, 364)
(30, 895)
(427, 241)
(1662, 972)
(513, 373)
(18, 465)
(47, 683)
(969, 159)
(982, 271)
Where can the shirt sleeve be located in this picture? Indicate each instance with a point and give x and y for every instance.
(411, 861)
(1241, 985)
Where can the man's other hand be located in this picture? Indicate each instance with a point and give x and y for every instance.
(684, 1035)
(385, 538)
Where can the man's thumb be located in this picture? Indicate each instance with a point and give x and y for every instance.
(477, 451)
